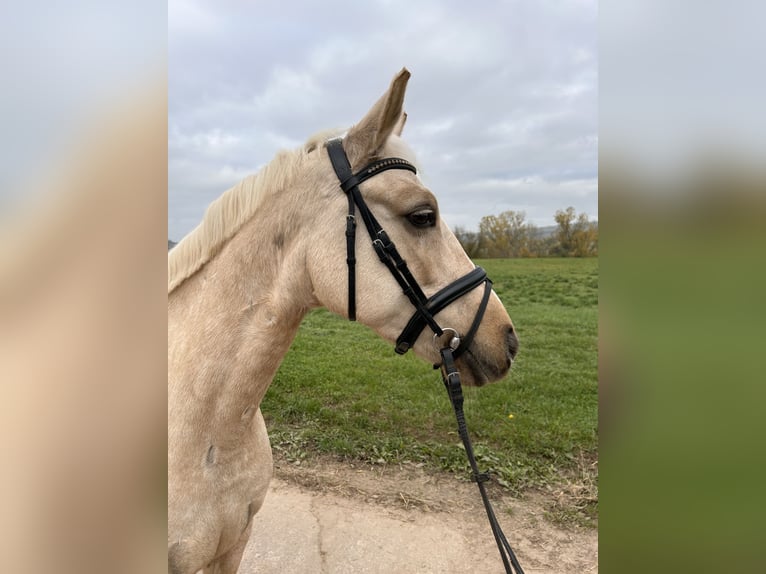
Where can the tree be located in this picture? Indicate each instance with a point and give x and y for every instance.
(506, 235)
(564, 219)
(542, 244)
(509, 235)
(469, 240)
(585, 237)
(576, 235)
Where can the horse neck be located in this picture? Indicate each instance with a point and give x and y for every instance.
(231, 324)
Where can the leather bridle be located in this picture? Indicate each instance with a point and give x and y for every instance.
(451, 345)
(425, 307)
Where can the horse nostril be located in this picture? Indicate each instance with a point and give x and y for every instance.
(513, 342)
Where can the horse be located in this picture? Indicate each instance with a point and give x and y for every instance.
(266, 252)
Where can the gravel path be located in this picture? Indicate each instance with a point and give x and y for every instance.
(334, 519)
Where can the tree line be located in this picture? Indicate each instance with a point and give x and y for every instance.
(510, 235)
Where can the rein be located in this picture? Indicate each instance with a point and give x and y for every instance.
(425, 308)
(451, 378)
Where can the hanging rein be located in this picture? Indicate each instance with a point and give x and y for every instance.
(450, 344)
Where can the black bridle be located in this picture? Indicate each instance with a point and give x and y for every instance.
(451, 346)
(425, 307)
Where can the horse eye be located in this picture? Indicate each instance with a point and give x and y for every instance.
(422, 218)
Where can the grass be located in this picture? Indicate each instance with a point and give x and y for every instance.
(342, 391)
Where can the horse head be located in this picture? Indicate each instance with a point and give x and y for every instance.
(408, 212)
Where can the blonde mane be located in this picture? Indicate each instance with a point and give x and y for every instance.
(227, 214)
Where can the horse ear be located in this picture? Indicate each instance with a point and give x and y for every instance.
(366, 139)
(400, 124)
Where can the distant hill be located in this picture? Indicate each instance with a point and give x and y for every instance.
(171, 244)
(546, 231)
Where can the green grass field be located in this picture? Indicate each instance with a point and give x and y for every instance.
(343, 391)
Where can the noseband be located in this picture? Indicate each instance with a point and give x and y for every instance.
(425, 307)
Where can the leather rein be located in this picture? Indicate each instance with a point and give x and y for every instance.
(451, 345)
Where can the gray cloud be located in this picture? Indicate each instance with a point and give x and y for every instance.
(502, 103)
(64, 63)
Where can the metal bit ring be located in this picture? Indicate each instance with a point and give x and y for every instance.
(453, 343)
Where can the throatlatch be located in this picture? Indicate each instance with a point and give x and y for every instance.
(425, 309)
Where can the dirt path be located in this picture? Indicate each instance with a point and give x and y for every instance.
(336, 519)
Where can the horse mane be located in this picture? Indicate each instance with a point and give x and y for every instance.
(235, 207)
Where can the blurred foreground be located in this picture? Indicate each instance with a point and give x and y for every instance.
(82, 352)
(681, 377)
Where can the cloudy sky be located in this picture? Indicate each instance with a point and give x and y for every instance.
(502, 103)
(63, 63)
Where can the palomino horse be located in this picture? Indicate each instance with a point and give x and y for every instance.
(266, 252)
